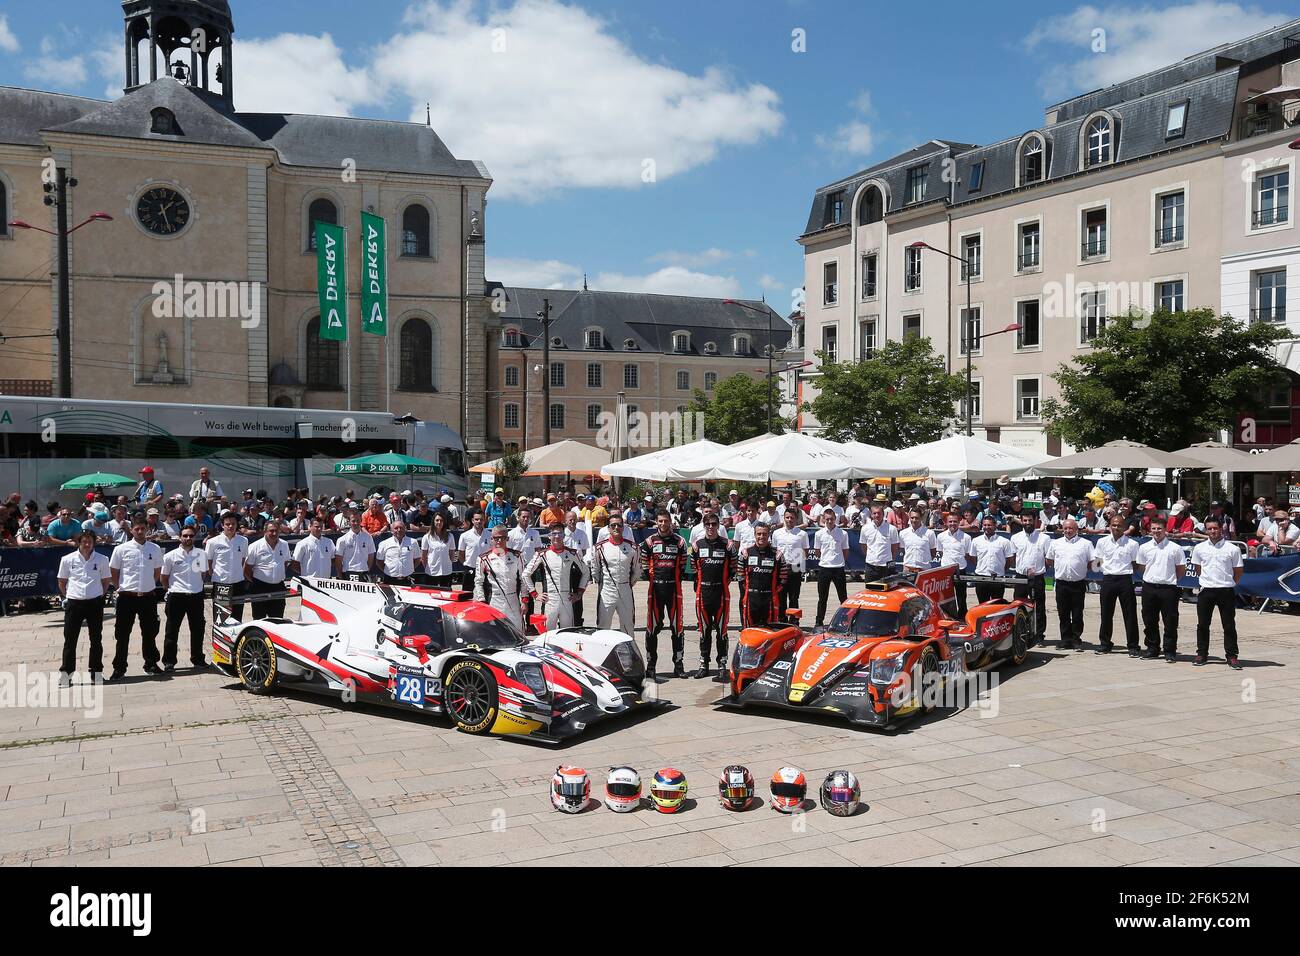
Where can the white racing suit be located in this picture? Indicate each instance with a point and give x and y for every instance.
(614, 569)
(499, 582)
(550, 574)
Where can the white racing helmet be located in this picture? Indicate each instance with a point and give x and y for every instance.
(623, 790)
(570, 788)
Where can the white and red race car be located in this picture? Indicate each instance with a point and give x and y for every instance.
(438, 652)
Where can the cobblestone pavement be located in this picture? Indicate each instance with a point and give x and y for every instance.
(1085, 760)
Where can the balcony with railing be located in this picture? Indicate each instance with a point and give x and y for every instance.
(1268, 119)
(1092, 248)
(1029, 260)
(1272, 216)
(1169, 235)
(1272, 313)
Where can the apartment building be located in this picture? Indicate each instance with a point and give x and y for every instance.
(652, 350)
(1123, 199)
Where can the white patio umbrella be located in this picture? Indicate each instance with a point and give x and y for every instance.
(658, 465)
(966, 458)
(880, 462)
(792, 457)
(566, 457)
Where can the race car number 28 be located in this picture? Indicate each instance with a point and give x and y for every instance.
(409, 688)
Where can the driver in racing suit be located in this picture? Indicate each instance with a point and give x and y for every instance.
(615, 567)
(715, 566)
(550, 574)
(762, 574)
(664, 557)
(499, 580)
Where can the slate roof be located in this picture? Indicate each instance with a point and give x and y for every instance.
(648, 320)
(298, 139)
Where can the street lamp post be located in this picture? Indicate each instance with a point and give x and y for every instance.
(966, 332)
(57, 196)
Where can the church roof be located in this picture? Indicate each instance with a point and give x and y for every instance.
(298, 139)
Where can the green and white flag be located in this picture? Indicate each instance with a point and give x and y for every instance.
(374, 275)
(332, 281)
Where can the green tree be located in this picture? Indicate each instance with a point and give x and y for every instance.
(903, 395)
(1166, 380)
(510, 468)
(737, 409)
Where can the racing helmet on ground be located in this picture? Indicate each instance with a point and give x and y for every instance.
(570, 788)
(623, 790)
(736, 788)
(789, 789)
(668, 790)
(841, 794)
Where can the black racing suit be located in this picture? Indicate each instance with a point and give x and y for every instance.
(715, 566)
(664, 559)
(763, 572)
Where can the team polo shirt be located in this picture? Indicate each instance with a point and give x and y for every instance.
(954, 549)
(184, 570)
(918, 546)
(226, 557)
(878, 542)
(1031, 552)
(85, 576)
(1217, 563)
(831, 547)
(1116, 557)
(1070, 557)
(1160, 561)
(992, 554)
(355, 548)
(135, 565)
(315, 556)
(268, 563)
(398, 557)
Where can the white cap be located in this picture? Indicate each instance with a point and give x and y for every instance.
(446, 499)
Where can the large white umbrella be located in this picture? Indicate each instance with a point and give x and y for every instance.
(659, 465)
(791, 457)
(1285, 458)
(966, 458)
(881, 462)
(566, 457)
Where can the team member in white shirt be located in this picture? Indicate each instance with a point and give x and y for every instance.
(473, 543)
(184, 570)
(266, 567)
(1116, 555)
(791, 542)
(84, 578)
(831, 544)
(880, 544)
(1031, 546)
(436, 550)
(955, 551)
(1218, 565)
(994, 556)
(314, 554)
(1069, 557)
(742, 528)
(355, 552)
(1161, 563)
(136, 566)
(398, 555)
(919, 544)
(227, 552)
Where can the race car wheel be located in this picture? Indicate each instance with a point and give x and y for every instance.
(255, 661)
(929, 679)
(1020, 638)
(471, 697)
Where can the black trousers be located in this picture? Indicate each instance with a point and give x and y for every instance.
(268, 608)
(712, 607)
(1160, 604)
(228, 595)
(1225, 599)
(1118, 588)
(89, 611)
(665, 608)
(1036, 591)
(790, 593)
(990, 592)
(825, 578)
(181, 608)
(441, 580)
(962, 588)
(874, 572)
(1069, 609)
(130, 607)
(401, 582)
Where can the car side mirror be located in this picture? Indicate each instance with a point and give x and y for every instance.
(419, 643)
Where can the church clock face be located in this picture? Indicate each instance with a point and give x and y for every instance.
(163, 211)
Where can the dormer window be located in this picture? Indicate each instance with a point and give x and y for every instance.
(1032, 161)
(977, 177)
(1098, 141)
(835, 208)
(511, 339)
(163, 122)
(681, 342)
(740, 344)
(595, 339)
(1176, 121)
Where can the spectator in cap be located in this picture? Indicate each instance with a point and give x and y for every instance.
(149, 491)
(498, 510)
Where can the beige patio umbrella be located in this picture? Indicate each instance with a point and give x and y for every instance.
(1221, 457)
(566, 457)
(1120, 454)
(1285, 458)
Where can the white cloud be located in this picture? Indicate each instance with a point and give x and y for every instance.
(298, 73)
(671, 280)
(707, 257)
(535, 273)
(8, 42)
(52, 71)
(549, 99)
(1094, 47)
(855, 137)
(770, 283)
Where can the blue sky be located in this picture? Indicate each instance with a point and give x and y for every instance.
(573, 106)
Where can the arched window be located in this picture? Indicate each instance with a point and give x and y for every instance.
(164, 122)
(871, 208)
(417, 356)
(511, 339)
(415, 231)
(320, 210)
(1098, 141)
(322, 359)
(1033, 165)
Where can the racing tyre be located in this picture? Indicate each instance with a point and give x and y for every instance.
(1020, 638)
(255, 661)
(470, 692)
(929, 680)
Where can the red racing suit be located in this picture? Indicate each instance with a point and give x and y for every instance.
(715, 566)
(762, 578)
(664, 559)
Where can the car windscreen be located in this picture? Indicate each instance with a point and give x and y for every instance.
(864, 622)
(497, 632)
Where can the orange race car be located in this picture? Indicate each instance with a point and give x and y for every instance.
(888, 652)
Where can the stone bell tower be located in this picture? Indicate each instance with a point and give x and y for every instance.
(189, 40)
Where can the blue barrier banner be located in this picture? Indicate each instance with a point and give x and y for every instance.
(1274, 579)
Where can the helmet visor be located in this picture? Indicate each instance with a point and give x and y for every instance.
(737, 793)
(789, 791)
(573, 790)
(623, 790)
(667, 795)
(840, 795)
